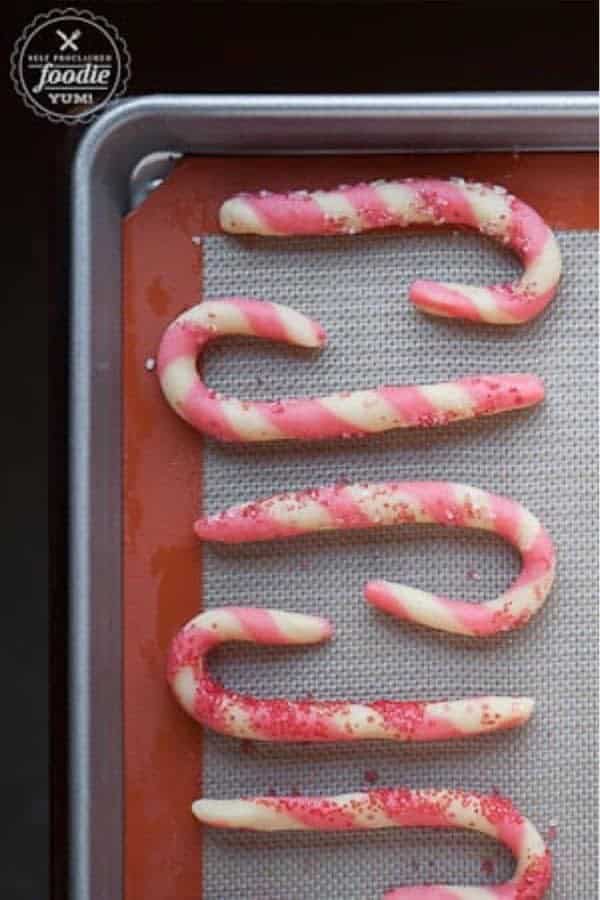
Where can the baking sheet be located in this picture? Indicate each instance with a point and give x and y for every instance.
(546, 458)
(165, 853)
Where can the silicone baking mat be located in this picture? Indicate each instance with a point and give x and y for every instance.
(545, 457)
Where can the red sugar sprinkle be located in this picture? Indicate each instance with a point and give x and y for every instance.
(500, 811)
(371, 776)
(535, 879)
(187, 647)
(403, 718)
(488, 867)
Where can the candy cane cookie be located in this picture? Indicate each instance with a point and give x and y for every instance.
(313, 720)
(345, 414)
(491, 815)
(489, 209)
(345, 506)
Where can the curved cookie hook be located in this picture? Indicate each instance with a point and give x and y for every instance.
(345, 506)
(346, 414)
(493, 816)
(489, 209)
(313, 720)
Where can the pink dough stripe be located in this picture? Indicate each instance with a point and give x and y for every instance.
(300, 216)
(443, 300)
(185, 341)
(261, 627)
(528, 233)
(538, 554)
(198, 405)
(343, 510)
(453, 202)
(307, 420)
(343, 507)
(265, 321)
(437, 500)
(373, 211)
(444, 202)
(411, 405)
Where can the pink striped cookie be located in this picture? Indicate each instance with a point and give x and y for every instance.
(345, 414)
(313, 720)
(492, 815)
(489, 209)
(343, 506)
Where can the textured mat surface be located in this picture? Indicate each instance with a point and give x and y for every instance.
(546, 458)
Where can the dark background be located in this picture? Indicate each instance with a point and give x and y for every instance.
(419, 46)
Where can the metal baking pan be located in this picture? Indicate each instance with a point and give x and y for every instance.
(119, 160)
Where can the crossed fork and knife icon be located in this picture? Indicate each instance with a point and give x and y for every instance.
(68, 42)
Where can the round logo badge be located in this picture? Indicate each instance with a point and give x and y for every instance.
(68, 64)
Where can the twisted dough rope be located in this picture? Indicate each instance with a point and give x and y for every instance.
(488, 208)
(392, 808)
(342, 506)
(313, 720)
(346, 414)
